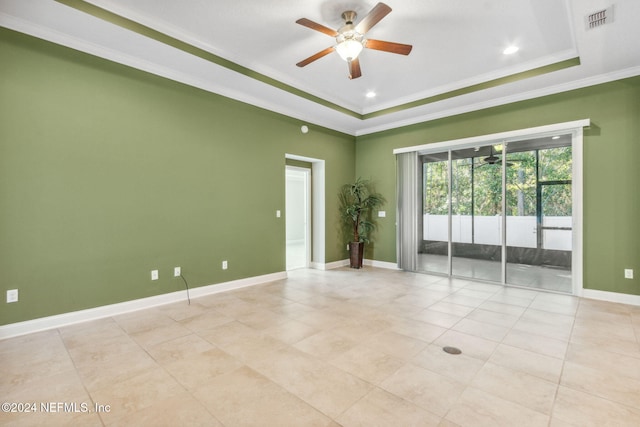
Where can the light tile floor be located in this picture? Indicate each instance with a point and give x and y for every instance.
(530, 276)
(342, 347)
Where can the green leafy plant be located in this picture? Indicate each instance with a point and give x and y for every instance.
(357, 201)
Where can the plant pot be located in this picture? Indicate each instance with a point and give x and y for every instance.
(356, 251)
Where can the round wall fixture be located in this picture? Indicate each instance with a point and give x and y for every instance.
(304, 129)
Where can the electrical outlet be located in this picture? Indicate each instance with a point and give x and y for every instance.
(12, 295)
(177, 271)
(278, 214)
(225, 265)
(628, 273)
(154, 274)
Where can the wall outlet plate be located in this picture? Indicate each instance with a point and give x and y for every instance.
(225, 265)
(628, 273)
(12, 295)
(154, 274)
(177, 271)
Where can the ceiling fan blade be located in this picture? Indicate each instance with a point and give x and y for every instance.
(378, 12)
(402, 49)
(354, 69)
(318, 27)
(499, 162)
(315, 57)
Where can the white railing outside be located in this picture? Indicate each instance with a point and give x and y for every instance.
(521, 230)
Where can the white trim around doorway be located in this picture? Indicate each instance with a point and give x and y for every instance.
(317, 207)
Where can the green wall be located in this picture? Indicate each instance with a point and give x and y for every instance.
(107, 172)
(611, 169)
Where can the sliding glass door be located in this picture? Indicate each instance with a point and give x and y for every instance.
(521, 221)
(476, 215)
(540, 223)
(500, 212)
(433, 246)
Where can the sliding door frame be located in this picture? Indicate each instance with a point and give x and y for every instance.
(575, 129)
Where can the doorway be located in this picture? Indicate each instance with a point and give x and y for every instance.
(503, 208)
(510, 202)
(298, 217)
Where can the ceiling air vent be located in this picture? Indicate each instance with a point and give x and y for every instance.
(599, 18)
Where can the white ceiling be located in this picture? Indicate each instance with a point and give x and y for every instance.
(456, 44)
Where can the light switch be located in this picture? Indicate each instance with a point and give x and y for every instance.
(12, 295)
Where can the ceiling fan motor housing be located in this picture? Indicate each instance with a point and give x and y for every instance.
(348, 31)
(349, 16)
(491, 159)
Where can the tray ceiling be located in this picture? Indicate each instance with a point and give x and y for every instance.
(247, 50)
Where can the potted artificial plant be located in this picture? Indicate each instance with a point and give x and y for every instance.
(357, 201)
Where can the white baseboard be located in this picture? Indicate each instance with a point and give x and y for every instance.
(611, 296)
(65, 319)
(330, 265)
(381, 264)
(317, 265)
(345, 263)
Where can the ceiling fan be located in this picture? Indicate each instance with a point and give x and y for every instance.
(493, 159)
(350, 38)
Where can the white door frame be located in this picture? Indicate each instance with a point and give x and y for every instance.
(575, 128)
(318, 208)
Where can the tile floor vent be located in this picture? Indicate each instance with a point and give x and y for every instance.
(452, 350)
(599, 18)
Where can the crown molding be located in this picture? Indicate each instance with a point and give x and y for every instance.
(537, 93)
(287, 103)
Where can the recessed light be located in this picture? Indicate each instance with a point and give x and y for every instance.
(510, 50)
(371, 94)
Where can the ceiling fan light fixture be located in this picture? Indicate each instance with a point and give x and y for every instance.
(350, 39)
(349, 49)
